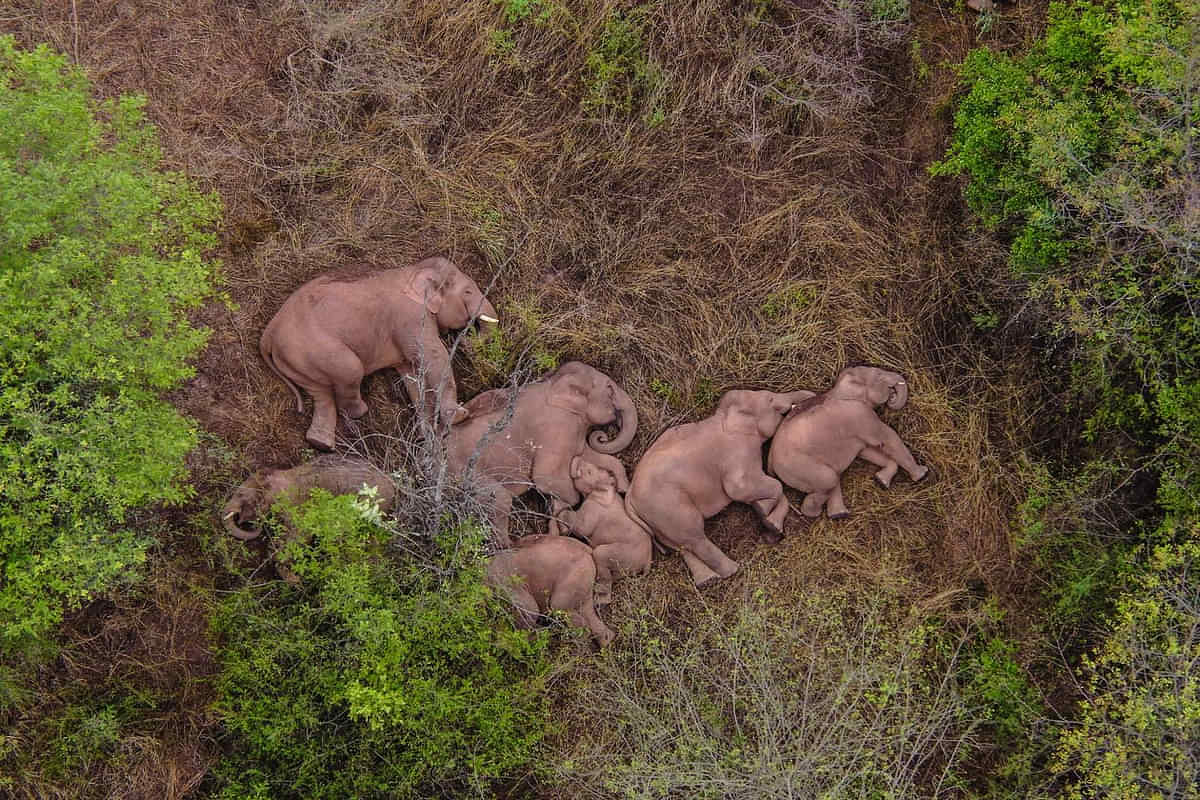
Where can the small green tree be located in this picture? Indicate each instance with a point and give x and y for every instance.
(100, 256)
(1139, 731)
(381, 675)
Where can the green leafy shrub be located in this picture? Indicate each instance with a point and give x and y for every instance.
(1080, 151)
(619, 74)
(100, 256)
(1081, 154)
(377, 677)
(832, 695)
(1138, 735)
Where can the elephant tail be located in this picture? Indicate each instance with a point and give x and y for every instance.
(632, 513)
(268, 356)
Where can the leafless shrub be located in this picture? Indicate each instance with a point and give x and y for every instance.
(828, 695)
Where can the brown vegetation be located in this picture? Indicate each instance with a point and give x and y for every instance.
(759, 216)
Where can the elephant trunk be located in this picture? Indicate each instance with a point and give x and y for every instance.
(627, 423)
(899, 391)
(232, 515)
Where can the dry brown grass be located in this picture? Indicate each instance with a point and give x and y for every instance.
(776, 225)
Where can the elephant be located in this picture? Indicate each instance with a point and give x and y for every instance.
(821, 437)
(331, 333)
(693, 471)
(509, 444)
(336, 474)
(620, 546)
(545, 573)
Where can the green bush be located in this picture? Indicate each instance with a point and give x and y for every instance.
(1081, 152)
(619, 75)
(100, 256)
(1138, 735)
(379, 676)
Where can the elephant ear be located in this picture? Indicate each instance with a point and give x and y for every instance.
(568, 391)
(428, 287)
(738, 414)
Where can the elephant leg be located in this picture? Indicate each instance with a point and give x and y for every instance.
(701, 574)
(880, 459)
(345, 372)
(324, 422)
(813, 503)
(436, 392)
(586, 617)
(893, 446)
(500, 499)
(836, 506)
(349, 399)
(822, 481)
(706, 561)
(762, 492)
(559, 509)
(573, 594)
(606, 557)
(525, 607)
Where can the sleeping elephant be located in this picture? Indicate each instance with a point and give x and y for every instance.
(549, 573)
(620, 546)
(822, 436)
(336, 474)
(693, 471)
(510, 444)
(331, 333)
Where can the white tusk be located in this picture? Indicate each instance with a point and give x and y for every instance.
(486, 318)
(230, 514)
(901, 383)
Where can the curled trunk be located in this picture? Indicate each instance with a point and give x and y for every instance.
(900, 392)
(627, 423)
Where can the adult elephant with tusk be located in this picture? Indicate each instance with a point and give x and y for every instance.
(331, 333)
(695, 470)
(821, 437)
(511, 442)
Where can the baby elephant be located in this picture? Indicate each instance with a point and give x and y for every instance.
(544, 573)
(620, 546)
(335, 474)
(822, 436)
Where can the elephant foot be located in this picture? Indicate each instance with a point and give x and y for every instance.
(320, 439)
(840, 515)
(356, 410)
(924, 474)
(882, 483)
(771, 536)
(702, 574)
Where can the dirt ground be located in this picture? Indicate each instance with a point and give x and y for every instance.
(760, 217)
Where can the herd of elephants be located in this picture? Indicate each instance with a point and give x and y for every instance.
(551, 435)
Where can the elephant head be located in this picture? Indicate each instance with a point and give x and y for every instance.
(450, 295)
(873, 386)
(240, 514)
(756, 413)
(594, 396)
(589, 478)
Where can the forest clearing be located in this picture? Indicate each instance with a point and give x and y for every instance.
(999, 207)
